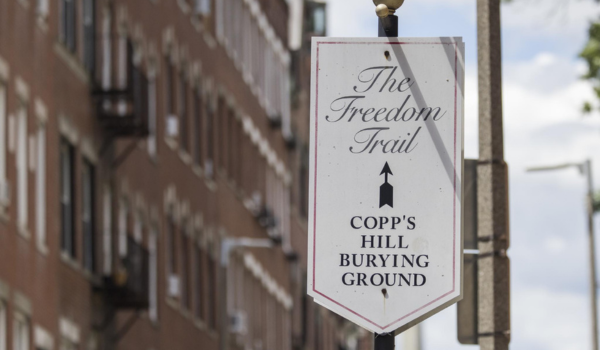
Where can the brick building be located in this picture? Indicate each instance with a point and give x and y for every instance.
(139, 141)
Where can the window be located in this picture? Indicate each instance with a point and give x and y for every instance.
(185, 264)
(232, 137)
(89, 35)
(183, 112)
(198, 136)
(138, 227)
(107, 230)
(2, 325)
(170, 97)
(67, 189)
(123, 226)
(222, 130)
(152, 117)
(22, 166)
(172, 261)
(3, 109)
(210, 133)
(21, 332)
(153, 275)
(106, 51)
(40, 184)
(87, 217)
(68, 35)
(212, 287)
(199, 282)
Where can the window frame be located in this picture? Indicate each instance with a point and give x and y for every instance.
(185, 239)
(88, 24)
(183, 112)
(40, 185)
(198, 126)
(3, 124)
(88, 215)
(68, 24)
(67, 200)
(3, 325)
(22, 167)
(153, 274)
(199, 284)
(21, 332)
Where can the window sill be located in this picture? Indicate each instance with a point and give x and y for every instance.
(197, 23)
(153, 321)
(153, 158)
(69, 261)
(199, 323)
(171, 142)
(209, 40)
(71, 61)
(172, 302)
(198, 170)
(185, 157)
(185, 8)
(186, 313)
(43, 249)
(42, 22)
(211, 184)
(4, 217)
(23, 231)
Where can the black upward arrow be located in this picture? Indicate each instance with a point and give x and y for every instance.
(386, 191)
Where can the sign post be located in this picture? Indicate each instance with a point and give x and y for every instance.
(388, 28)
(386, 157)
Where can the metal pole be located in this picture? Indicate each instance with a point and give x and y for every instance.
(492, 183)
(385, 341)
(592, 248)
(388, 28)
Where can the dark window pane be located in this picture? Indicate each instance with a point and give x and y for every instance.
(89, 236)
(198, 128)
(212, 292)
(185, 263)
(183, 112)
(199, 282)
(172, 246)
(89, 35)
(66, 199)
(69, 24)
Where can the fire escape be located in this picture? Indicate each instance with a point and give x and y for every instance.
(123, 113)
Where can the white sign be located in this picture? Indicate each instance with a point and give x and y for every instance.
(386, 153)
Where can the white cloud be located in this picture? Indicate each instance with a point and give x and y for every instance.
(547, 320)
(544, 18)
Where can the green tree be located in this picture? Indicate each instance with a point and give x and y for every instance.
(591, 55)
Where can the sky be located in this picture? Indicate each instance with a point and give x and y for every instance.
(542, 100)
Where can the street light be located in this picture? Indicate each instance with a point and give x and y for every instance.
(585, 169)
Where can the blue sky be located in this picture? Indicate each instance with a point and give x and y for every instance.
(544, 125)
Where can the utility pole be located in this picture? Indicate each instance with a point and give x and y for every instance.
(592, 248)
(492, 182)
